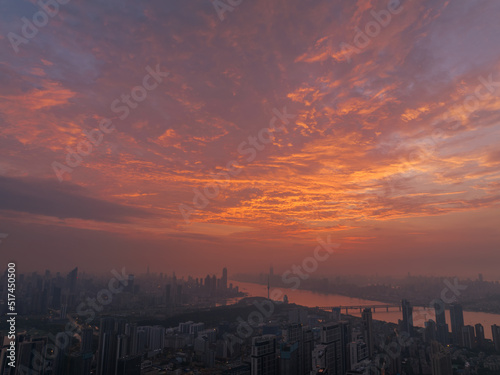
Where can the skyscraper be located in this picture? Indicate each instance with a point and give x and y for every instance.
(307, 348)
(368, 330)
(107, 348)
(441, 326)
(495, 330)
(264, 357)
(224, 278)
(457, 323)
(71, 280)
(335, 337)
(439, 309)
(468, 338)
(303, 336)
(479, 335)
(86, 350)
(407, 317)
(430, 331)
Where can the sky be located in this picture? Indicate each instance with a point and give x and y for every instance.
(191, 135)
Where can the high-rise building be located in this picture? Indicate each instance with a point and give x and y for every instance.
(495, 331)
(468, 339)
(307, 348)
(194, 328)
(335, 337)
(439, 309)
(289, 359)
(479, 335)
(224, 278)
(358, 351)
(368, 330)
(303, 336)
(155, 336)
(264, 356)
(107, 349)
(457, 323)
(132, 332)
(71, 280)
(442, 334)
(407, 323)
(430, 331)
(86, 350)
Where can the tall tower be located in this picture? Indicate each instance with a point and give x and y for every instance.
(407, 317)
(457, 324)
(468, 337)
(224, 278)
(368, 330)
(441, 326)
(479, 334)
(107, 349)
(495, 330)
(71, 280)
(86, 350)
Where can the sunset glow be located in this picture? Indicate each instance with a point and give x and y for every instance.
(240, 141)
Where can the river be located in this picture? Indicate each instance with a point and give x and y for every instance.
(420, 314)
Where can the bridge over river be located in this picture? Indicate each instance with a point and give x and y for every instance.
(362, 307)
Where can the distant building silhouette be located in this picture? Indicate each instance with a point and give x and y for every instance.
(368, 330)
(442, 332)
(71, 280)
(468, 337)
(495, 330)
(407, 323)
(224, 278)
(457, 323)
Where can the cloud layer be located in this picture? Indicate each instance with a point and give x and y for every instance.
(395, 132)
